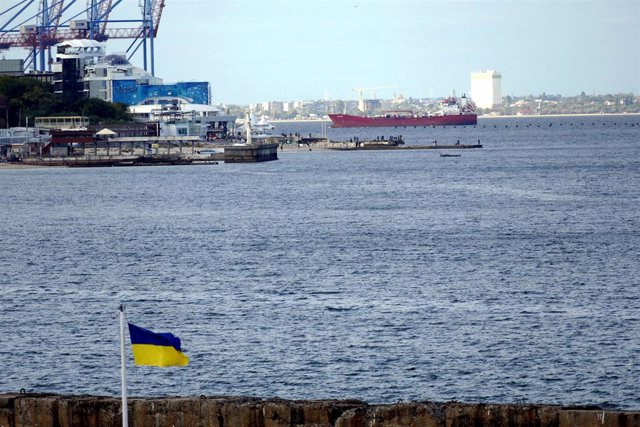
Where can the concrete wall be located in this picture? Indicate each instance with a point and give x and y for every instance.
(250, 153)
(40, 410)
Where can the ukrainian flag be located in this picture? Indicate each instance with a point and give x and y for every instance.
(156, 349)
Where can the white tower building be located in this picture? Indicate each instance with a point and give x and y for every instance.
(486, 88)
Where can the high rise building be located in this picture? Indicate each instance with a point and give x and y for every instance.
(486, 88)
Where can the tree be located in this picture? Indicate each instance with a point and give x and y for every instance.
(100, 111)
(28, 97)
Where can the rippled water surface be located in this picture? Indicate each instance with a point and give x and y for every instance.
(507, 274)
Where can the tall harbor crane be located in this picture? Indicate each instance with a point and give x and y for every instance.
(20, 27)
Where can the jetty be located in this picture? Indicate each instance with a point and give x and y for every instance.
(240, 153)
(251, 153)
(27, 409)
(408, 147)
(391, 143)
(107, 161)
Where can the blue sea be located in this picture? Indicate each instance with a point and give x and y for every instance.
(508, 274)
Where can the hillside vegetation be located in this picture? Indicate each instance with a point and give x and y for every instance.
(26, 98)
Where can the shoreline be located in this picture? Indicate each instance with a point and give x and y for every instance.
(22, 409)
(13, 166)
(530, 116)
(484, 116)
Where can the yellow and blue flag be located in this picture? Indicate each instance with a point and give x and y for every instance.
(156, 349)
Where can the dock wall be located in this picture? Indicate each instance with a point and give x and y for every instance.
(42, 410)
(250, 153)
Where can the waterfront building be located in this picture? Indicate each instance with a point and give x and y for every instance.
(276, 107)
(486, 88)
(11, 67)
(365, 105)
(21, 142)
(177, 116)
(83, 69)
(299, 105)
(15, 68)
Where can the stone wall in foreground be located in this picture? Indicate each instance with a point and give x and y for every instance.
(42, 410)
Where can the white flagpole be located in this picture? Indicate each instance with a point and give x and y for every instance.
(123, 369)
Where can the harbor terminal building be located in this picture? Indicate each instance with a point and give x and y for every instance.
(82, 69)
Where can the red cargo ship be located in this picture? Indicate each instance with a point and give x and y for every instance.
(452, 113)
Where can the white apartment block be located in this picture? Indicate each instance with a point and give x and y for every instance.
(486, 88)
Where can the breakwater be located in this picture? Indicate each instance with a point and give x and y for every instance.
(229, 154)
(22, 410)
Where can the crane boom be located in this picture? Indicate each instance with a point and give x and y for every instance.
(104, 9)
(156, 14)
(14, 38)
(51, 26)
(55, 13)
(27, 40)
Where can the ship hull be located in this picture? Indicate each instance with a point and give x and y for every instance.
(350, 121)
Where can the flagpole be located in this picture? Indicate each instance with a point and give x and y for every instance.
(123, 369)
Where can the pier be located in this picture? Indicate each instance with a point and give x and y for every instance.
(228, 154)
(108, 161)
(22, 410)
(409, 147)
(392, 143)
(250, 153)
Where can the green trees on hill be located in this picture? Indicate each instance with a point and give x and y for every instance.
(26, 98)
(100, 111)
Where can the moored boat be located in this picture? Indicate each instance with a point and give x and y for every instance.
(453, 112)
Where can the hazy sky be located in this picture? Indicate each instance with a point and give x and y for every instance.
(254, 51)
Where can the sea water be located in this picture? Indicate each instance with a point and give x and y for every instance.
(507, 274)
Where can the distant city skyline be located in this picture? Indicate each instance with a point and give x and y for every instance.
(255, 51)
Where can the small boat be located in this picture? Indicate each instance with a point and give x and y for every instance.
(449, 155)
(262, 124)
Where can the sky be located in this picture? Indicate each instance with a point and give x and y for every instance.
(279, 50)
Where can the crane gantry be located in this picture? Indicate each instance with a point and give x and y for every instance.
(40, 31)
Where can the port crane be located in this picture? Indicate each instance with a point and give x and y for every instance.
(39, 32)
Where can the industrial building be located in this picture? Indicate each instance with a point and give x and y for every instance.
(82, 69)
(486, 88)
